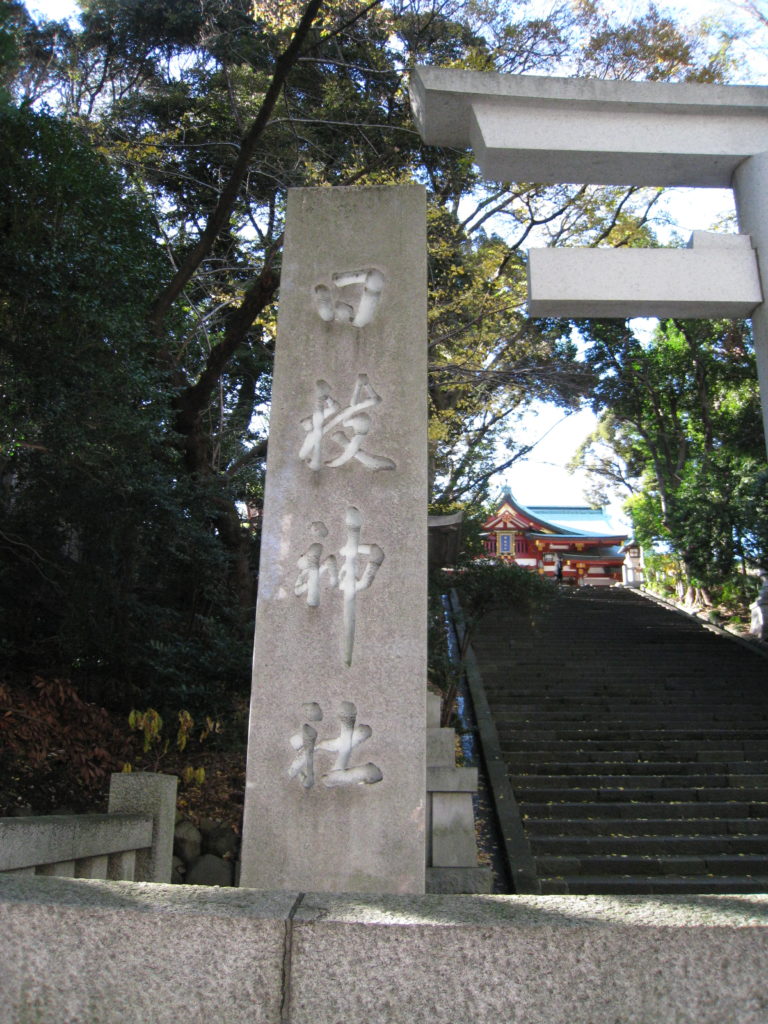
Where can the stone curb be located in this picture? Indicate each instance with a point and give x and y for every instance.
(516, 848)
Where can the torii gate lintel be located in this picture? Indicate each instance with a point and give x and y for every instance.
(584, 131)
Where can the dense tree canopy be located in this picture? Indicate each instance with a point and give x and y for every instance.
(94, 499)
(147, 152)
(680, 430)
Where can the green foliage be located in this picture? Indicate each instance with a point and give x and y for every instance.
(113, 572)
(11, 16)
(156, 743)
(168, 90)
(484, 585)
(137, 330)
(680, 428)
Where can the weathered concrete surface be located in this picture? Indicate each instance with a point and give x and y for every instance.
(546, 129)
(132, 842)
(341, 615)
(129, 953)
(453, 831)
(441, 747)
(530, 960)
(530, 128)
(443, 779)
(459, 880)
(451, 848)
(706, 280)
(120, 953)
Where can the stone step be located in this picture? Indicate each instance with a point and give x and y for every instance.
(545, 688)
(637, 885)
(670, 649)
(648, 846)
(732, 865)
(589, 675)
(637, 746)
(758, 749)
(523, 768)
(647, 697)
(638, 794)
(725, 736)
(645, 780)
(639, 810)
(622, 720)
(667, 706)
(504, 682)
(586, 679)
(572, 755)
(541, 827)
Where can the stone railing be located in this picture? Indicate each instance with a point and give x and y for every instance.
(92, 952)
(132, 842)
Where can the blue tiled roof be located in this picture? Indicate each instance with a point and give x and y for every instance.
(576, 519)
(568, 519)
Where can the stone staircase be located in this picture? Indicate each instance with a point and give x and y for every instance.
(636, 742)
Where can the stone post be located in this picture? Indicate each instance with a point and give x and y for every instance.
(750, 188)
(759, 611)
(155, 794)
(335, 783)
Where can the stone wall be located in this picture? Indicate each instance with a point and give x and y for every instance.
(92, 952)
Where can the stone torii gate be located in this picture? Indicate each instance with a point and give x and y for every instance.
(584, 131)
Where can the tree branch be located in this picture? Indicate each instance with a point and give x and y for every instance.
(219, 217)
(191, 403)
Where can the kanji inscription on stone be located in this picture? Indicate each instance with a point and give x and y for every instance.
(346, 574)
(352, 297)
(343, 746)
(345, 429)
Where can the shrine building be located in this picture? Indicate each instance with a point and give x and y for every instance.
(589, 550)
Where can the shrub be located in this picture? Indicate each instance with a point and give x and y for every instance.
(56, 749)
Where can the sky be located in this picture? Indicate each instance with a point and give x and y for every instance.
(542, 478)
(55, 9)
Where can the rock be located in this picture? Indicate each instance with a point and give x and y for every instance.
(221, 841)
(178, 870)
(187, 841)
(209, 870)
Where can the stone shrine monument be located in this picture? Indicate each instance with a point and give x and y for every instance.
(336, 778)
(583, 131)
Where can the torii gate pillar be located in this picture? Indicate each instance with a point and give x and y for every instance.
(584, 131)
(750, 188)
